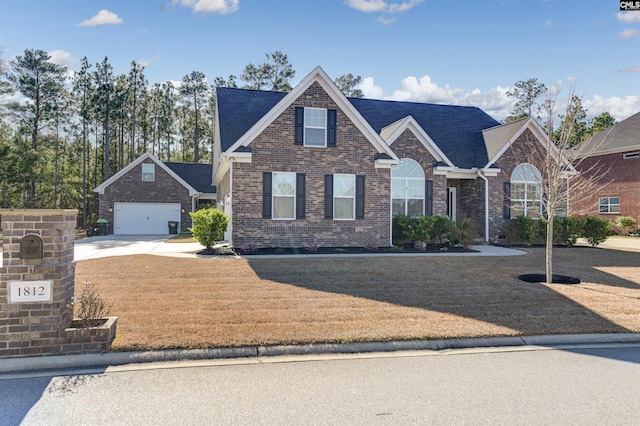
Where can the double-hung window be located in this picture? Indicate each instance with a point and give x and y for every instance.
(315, 127)
(526, 191)
(344, 197)
(609, 205)
(284, 195)
(148, 172)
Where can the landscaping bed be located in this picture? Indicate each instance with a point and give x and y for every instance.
(165, 302)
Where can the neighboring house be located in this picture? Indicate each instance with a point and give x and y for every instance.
(613, 158)
(314, 167)
(144, 196)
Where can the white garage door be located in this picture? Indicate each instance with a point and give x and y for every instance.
(144, 218)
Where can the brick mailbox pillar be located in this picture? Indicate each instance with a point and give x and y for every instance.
(37, 284)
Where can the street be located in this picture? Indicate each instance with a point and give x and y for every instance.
(526, 385)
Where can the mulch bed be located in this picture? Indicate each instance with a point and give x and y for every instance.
(408, 248)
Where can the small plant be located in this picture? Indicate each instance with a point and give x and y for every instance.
(224, 251)
(89, 306)
(625, 224)
(209, 226)
(396, 249)
(420, 246)
(371, 246)
(279, 250)
(312, 247)
(339, 250)
(250, 247)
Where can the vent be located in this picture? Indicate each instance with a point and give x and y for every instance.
(631, 155)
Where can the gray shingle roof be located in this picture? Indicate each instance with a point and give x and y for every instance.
(199, 176)
(623, 136)
(457, 130)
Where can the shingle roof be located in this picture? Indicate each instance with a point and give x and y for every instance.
(199, 176)
(496, 137)
(457, 130)
(623, 136)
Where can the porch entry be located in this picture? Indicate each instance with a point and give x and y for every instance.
(451, 202)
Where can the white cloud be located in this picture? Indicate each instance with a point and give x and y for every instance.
(619, 108)
(385, 21)
(210, 6)
(368, 5)
(369, 89)
(549, 23)
(630, 70)
(628, 17)
(104, 17)
(424, 90)
(628, 34)
(60, 57)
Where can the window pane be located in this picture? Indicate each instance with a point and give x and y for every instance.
(398, 187)
(517, 191)
(517, 208)
(415, 207)
(314, 117)
(148, 172)
(614, 200)
(284, 184)
(533, 209)
(343, 208)
(314, 137)
(614, 209)
(415, 188)
(397, 206)
(283, 207)
(344, 185)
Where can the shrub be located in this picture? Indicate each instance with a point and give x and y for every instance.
(209, 226)
(89, 306)
(568, 229)
(409, 229)
(625, 223)
(420, 246)
(521, 229)
(440, 227)
(462, 232)
(596, 230)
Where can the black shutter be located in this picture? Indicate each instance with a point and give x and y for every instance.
(300, 195)
(328, 196)
(506, 207)
(359, 197)
(299, 138)
(332, 127)
(266, 195)
(428, 197)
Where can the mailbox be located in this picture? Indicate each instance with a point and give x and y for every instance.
(31, 247)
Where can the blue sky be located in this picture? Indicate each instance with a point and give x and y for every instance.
(466, 52)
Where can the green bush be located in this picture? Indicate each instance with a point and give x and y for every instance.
(568, 229)
(462, 232)
(596, 230)
(209, 226)
(625, 223)
(441, 225)
(524, 228)
(412, 229)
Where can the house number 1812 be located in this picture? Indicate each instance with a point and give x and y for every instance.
(30, 291)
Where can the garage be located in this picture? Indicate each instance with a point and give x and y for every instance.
(144, 218)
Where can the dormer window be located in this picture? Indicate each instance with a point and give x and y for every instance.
(148, 172)
(315, 127)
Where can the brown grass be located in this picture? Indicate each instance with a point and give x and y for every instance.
(167, 302)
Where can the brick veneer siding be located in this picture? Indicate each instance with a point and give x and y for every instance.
(408, 146)
(37, 328)
(274, 150)
(130, 188)
(619, 177)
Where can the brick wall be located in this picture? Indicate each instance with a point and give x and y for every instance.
(618, 177)
(274, 150)
(130, 188)
(36, 328)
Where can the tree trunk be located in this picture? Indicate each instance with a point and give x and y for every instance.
(549, 250)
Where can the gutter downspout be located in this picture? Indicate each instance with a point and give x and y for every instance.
(230, 204)
(486, 205)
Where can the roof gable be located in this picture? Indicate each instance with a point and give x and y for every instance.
(392, 132)
(198, 176)
(278, 106)
(455, 130)
(147, 155)
(497, 137)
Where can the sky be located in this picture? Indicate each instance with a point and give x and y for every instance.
(462, 52)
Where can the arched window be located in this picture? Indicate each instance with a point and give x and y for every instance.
(526, 191)
(407, 188)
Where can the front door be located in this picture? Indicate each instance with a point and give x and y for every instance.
(451, 202)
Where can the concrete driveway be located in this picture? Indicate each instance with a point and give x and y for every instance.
(124, 245)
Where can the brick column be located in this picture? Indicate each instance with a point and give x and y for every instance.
(32, 328)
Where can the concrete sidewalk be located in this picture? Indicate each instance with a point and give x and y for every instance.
(62, 362)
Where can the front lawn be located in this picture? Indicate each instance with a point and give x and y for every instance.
(165, 302)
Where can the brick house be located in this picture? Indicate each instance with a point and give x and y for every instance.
(145, 195)
(614, 156)
(312, 166)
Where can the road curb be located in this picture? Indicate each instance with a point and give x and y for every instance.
(62, 362)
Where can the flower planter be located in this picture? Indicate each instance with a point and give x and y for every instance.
(91, 339)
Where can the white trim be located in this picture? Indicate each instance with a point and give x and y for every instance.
(319, 76)
(409, 123)
(147, 155)
(540, 136)
(486, 205)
